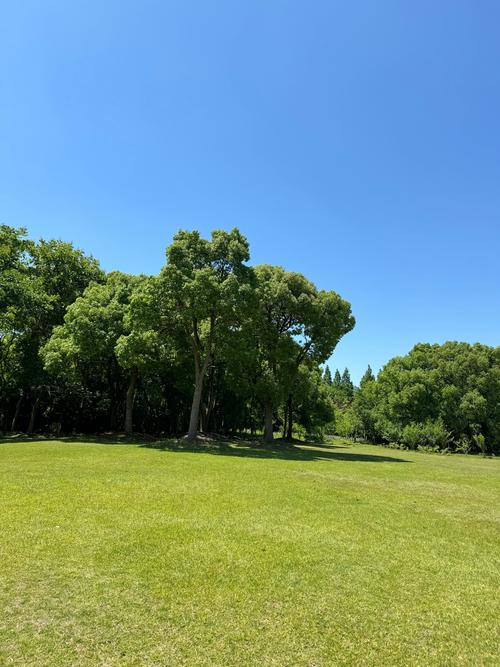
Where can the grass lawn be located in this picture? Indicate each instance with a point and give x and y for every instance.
(122, 554)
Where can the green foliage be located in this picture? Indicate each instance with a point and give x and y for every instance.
(346, 382)
(63, 273)
(480, 442)
(367, 377)
(427, 434)
(346, 422)
(209, 286)
(438, 395)
(38, 281)
(342, 389)
(211, 343)
(257, 337)
(93, 324)
(312, 404)
(292, 326)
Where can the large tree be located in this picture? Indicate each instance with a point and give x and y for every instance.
(440, 395)
(18, 299)
(37, 283)
(207, 285)
(98, 339)
(293, 323)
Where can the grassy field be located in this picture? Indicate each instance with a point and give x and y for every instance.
(122, 554)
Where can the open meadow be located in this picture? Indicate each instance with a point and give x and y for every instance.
(135, 554)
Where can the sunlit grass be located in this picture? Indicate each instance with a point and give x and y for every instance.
(133, 555)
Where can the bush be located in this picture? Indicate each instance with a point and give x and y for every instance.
(480, 442)
(463, 445)
(346, 423)
(388, 431)
(430, 434)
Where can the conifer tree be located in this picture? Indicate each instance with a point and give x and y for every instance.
(347, 384)
(367, 377)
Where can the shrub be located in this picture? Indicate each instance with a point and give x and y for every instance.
(346, 423)
(430, 434)
(480, 442)
(463, 445)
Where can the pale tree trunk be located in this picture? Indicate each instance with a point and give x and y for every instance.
(200, 370)
(268, 422)
(31, 425)
(16, 413)
(194, 418)
(129, 402)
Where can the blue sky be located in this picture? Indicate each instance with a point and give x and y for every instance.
(356, 142)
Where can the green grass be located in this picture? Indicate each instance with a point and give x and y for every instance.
(120, 554)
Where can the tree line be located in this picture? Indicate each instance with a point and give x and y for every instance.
(209, 343)
(212, 344)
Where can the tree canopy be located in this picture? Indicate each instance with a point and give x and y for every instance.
(212, 343)
(439, 396)
(209, 342)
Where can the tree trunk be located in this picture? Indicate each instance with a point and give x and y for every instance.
(16, 413)
(211, 401)
(286, 417)
(194, 418)
(129, 402)
(31, 425)
(289, 407)
(200, 371)
(268, 422)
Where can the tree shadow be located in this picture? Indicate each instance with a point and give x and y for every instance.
(136, 439)
(243, 448)
(280, 450)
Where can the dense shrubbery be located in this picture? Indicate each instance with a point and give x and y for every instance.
(437, 396)
(431, 433)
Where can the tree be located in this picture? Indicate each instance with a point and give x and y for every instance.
(367, 377)
(327, 377)
(342, 389)
(207, 284)
(441, 395)
(312, 402)
(16, 296)
(37, 282)
(145, 347)
(363, 410)
(96, 339)
(64, 272)
(293, 323)
(347, 385)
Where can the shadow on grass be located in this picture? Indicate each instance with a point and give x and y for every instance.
(279, 450)
(257, 449)
(98, 439)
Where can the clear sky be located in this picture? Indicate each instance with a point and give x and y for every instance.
(357, 142)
